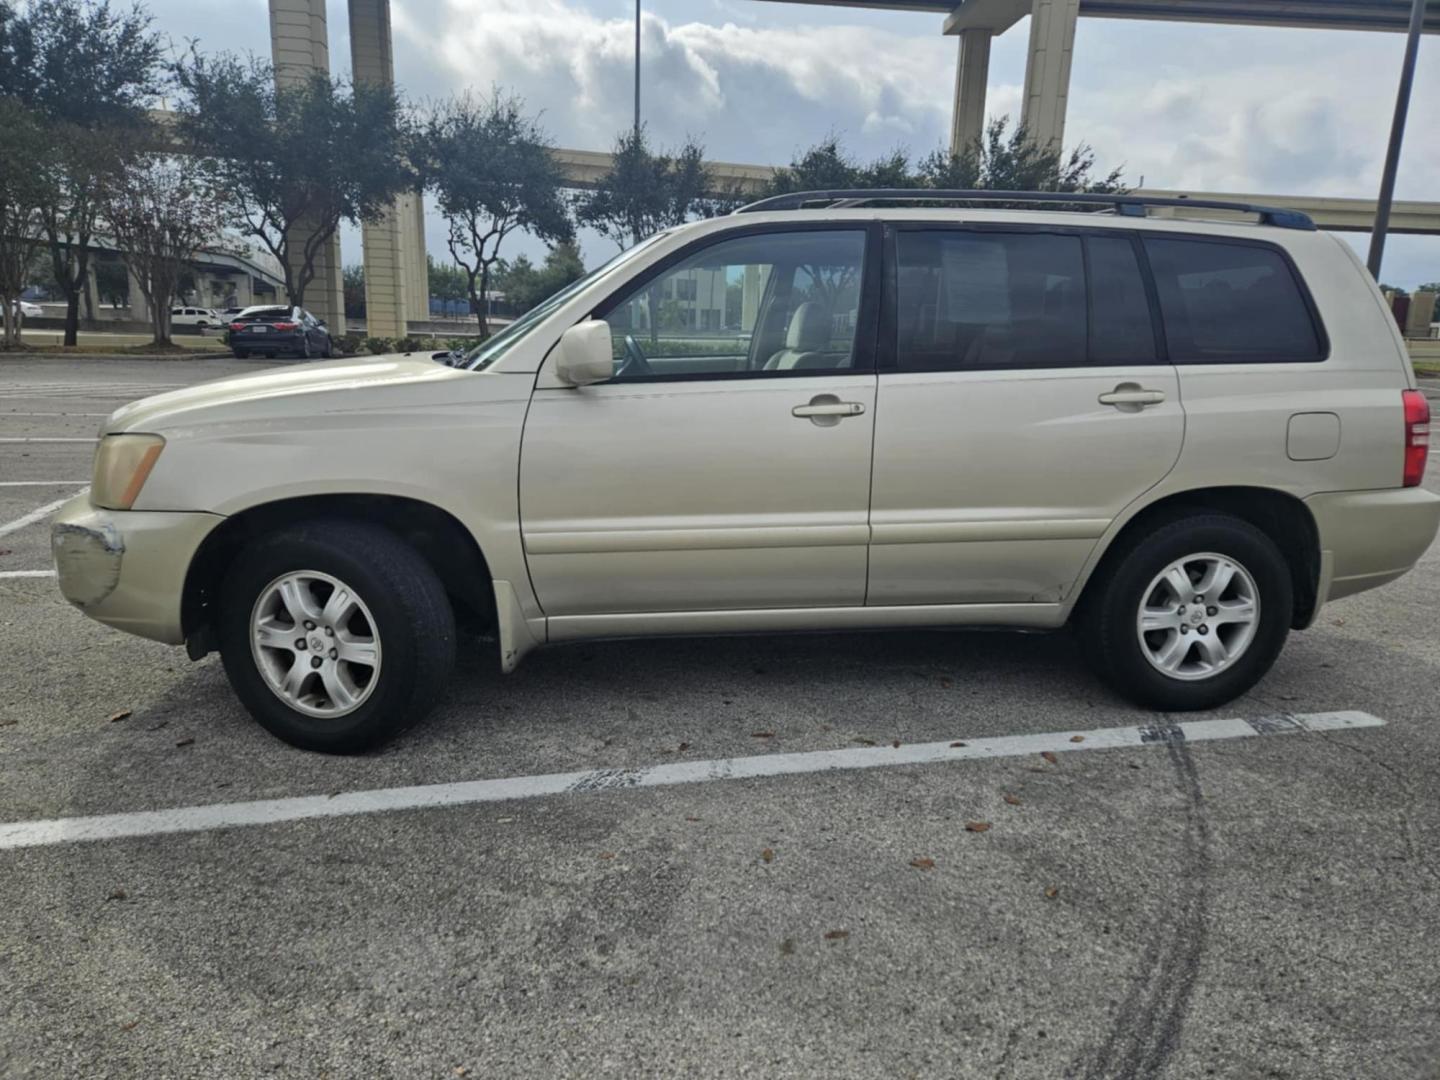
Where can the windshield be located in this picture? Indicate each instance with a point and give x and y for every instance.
(491, 349)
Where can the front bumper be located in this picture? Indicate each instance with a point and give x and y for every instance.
(1369, 538)
(127, 568)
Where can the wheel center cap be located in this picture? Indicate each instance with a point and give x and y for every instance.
(1195, 616)
(317, 643)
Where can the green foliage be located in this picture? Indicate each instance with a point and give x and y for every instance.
(408, 344)
(346, 344)
(1004, 159)
(447, 281)
(24, 191)
(352, 280)
(525, 286)
(378, 345)
(80, 62)
(645, 191)
(491, 170)
(86, 73)
(311, 154)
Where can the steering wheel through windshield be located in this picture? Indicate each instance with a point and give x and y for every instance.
(634, 362)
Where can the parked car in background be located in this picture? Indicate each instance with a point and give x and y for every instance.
(201, 318)
(271, 330)
(26, 310)
(1179, 437)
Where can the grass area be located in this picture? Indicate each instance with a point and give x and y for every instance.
(175, 352)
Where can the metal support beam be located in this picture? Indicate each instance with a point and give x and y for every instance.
(1397, 136)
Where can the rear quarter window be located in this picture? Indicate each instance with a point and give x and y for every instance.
(1232, 302)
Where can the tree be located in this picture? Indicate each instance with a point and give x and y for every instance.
(352, 280)
(289, 163)
(87, 72)
(160, 215)
(1004, 159)
(23, 194)
(492, 173)
(447, 281)
(645, 192)
(525, 285)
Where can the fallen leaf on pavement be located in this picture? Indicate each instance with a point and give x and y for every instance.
(945, 684)
(461, 1070)
(1051, 893)
(896, 744)
(688, 818)
(837, 935)
(185, 742)
(684, 746)
(864, 742)
(121, 715)
(762, 734)
(923, 864)
(607, 854)
(768, 855)
(131, 1026)
(977, 826)
(954, 744)
(1077, 738)
(117, 894)
(1049, 755)
(787, 947)
(1013, 800)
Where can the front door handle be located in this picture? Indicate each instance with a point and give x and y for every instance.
(829, 408)
(1133, 395)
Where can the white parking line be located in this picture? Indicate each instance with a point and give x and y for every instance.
(26, 573)
(37, 515)
(40, 483)
(21, 834)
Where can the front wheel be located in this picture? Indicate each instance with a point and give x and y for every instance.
(335, 635)
(1189, 615)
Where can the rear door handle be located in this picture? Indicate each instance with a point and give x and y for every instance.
(828, 408)
(1132, 394)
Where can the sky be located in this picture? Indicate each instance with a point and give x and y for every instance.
(1176, 105)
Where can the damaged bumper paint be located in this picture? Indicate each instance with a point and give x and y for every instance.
(127, 568)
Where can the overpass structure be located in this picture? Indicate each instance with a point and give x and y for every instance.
(396, 288)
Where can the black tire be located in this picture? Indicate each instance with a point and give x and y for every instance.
(304, 353)
(241, 354)
(1107, 620)
(329, 350)
(411, 614)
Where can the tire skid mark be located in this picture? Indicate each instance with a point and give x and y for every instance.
(1146, 1029)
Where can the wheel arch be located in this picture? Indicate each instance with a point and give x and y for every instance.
(441, 539)
(1281, 516)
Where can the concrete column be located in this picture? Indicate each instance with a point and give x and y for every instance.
(388, 259)
(1420, 315)
(417, 282)
(1047, 70)
(300, 48)
(139, 309)
(972, 74)
(90, 295)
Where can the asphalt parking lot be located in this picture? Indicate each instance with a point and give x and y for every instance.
(1262, 903)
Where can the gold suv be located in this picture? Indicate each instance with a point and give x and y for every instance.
(1181, 435)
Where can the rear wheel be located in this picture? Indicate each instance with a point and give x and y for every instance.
(336, 635)
(241, 354)
(1189, 615)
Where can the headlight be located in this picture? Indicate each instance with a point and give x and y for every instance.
(122, 463)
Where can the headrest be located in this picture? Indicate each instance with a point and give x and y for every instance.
(809, 328)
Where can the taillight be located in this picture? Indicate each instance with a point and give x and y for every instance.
(237, 326)
(286, 325)
(1417, 436)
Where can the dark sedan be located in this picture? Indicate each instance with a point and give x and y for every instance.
(271, 330)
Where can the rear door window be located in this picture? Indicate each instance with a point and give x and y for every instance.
(981, 300)
(1232, 302)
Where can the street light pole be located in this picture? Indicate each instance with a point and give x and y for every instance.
(1397, 136)
(637, 68)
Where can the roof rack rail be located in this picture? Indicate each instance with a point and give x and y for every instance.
(1126, 205)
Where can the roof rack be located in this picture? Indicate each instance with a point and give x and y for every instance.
(1125, 205)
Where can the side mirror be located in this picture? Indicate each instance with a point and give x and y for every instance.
(320, 323)
(585, 354)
